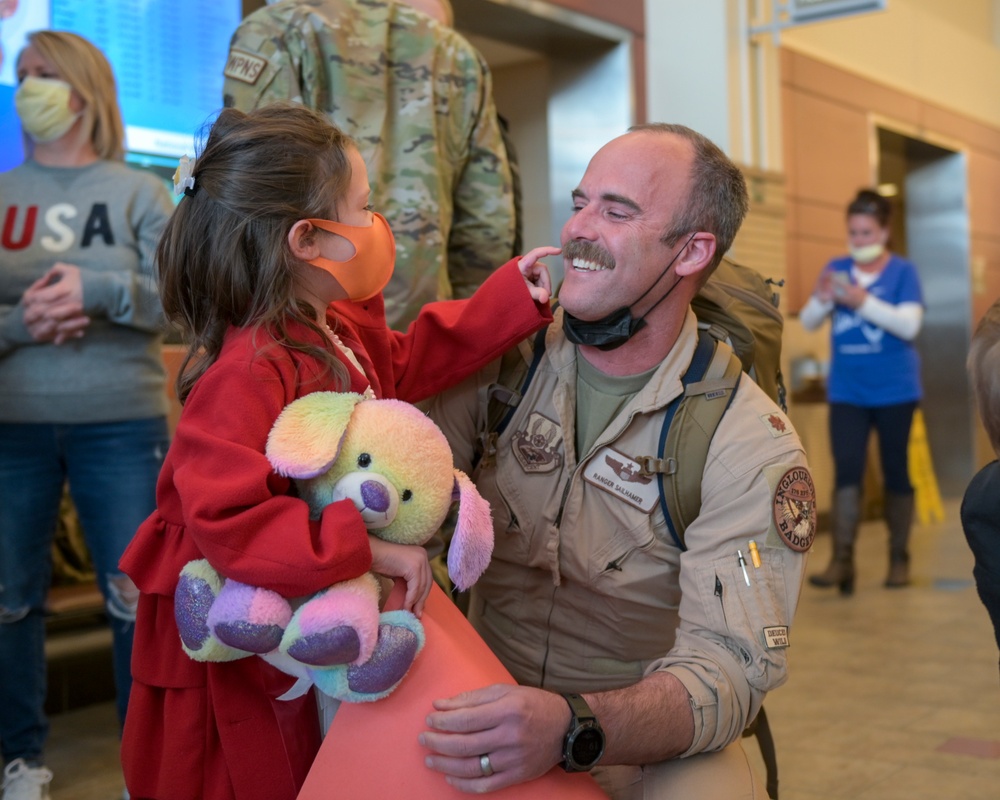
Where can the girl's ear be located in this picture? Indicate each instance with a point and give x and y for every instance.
(303, 242)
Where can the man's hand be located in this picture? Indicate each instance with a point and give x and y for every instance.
(536, 274)
(521, 730)
(53, 305)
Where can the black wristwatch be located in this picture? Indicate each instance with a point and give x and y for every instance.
(584, 742)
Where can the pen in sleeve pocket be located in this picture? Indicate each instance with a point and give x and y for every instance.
(743, 565)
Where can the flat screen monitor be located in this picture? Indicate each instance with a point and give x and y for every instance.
(167, 55)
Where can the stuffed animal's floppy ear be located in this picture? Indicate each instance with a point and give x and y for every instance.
(472, 544)
(307, 435)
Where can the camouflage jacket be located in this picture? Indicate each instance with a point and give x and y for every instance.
(417, 98)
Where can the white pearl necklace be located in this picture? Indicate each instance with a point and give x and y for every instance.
(368, 394)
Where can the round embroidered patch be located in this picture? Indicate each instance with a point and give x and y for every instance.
(795, 509)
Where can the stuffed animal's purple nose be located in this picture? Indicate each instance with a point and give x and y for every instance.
(375, 496)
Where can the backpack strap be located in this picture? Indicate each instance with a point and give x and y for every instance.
(709, 385)
(689, 424)
(504, 395)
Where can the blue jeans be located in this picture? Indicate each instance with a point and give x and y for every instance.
(850, 427)
(111, 469)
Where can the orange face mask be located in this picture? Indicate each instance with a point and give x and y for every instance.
(367, 272)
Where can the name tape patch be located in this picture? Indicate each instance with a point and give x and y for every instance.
(620, 475)
(776, 636)
(245, 67)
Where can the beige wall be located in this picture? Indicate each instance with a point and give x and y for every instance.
(943, 51)
(829, 116)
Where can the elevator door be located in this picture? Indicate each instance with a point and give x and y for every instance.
(564, 83)
(932, 230)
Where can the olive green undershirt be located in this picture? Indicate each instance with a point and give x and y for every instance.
(599, 397)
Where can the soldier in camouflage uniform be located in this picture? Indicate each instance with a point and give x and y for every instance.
(417, 98)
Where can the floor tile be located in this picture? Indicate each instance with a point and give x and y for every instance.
(892, 694)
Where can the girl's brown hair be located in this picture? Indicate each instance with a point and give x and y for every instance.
(224, 258)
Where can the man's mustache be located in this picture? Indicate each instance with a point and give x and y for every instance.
(588, 251)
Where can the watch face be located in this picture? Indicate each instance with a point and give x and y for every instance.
(588, 744)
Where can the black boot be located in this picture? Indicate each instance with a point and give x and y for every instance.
(846, 515)
(899, 519)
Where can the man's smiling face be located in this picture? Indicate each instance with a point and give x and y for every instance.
(612, 245)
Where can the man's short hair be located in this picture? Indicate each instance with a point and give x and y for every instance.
(984, 369)
(717, 201)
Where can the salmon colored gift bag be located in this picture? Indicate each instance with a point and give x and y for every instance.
(371, 750)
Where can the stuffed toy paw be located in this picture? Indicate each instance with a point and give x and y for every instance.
(336, 626)
(400, 638)
(395, 465)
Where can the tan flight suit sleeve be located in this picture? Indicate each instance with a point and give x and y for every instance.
(732, 643)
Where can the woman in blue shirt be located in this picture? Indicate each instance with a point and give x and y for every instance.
(874, 300)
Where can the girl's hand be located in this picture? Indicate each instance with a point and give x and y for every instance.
(536, 275)
(406, 561)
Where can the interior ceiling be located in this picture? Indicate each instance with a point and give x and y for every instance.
(507, 34)
(916, 150)
(501, 54)
(551, 32)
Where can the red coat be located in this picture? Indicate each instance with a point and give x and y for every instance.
(217, 731)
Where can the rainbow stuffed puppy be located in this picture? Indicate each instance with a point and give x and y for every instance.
(395, 465)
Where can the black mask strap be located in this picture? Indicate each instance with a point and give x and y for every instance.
(617, 327)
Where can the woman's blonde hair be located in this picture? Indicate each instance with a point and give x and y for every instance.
(984, 370)
(85, 68)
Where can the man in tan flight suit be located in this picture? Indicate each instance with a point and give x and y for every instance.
(418, 100)
(637, 660)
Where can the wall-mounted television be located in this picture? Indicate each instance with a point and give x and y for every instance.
(167, 55)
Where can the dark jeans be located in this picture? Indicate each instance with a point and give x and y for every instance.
(849, 430)
(112, 470)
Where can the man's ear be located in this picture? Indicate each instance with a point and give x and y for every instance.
(697, 255)
(303, 242)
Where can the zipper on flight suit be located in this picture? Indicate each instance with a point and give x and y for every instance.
(718, 593)
(556, 522)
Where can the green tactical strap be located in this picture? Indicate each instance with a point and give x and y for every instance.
(691, 433)
(517, 367)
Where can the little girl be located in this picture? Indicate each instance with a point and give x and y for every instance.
(272, 267)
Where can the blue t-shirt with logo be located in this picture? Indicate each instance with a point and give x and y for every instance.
(870, 366)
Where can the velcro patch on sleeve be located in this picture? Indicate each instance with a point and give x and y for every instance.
(794, 507)
(776, 637)
(243, 66)
(777, 424)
